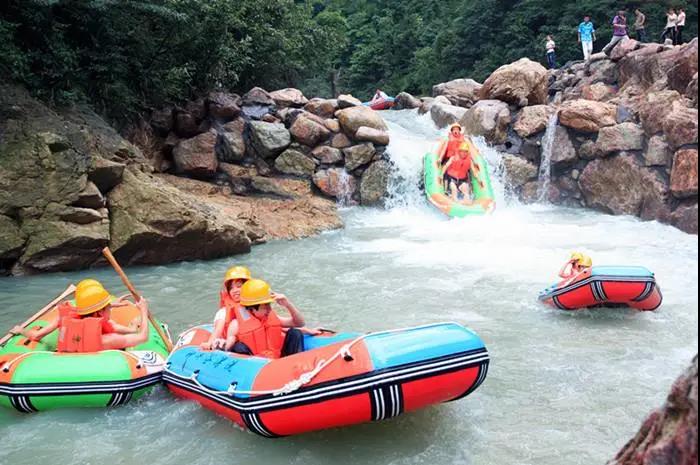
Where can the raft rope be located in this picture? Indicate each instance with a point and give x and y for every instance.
(6, 368)
(305, 378)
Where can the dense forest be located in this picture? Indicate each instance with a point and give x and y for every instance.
(126, 56)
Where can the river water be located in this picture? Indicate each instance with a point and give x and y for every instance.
(562, 388)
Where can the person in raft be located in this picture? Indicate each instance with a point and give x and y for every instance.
(457, 172)
(577, 264)
(88, 327)
(448, 148)
(258, 330)
(230, 298)
(379, 95)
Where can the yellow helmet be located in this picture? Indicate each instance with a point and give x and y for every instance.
(582, 259)
(88, 283)
(91, 299)
(256, 292)
(237, 272)
(465, 147)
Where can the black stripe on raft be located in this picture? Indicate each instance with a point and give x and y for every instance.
(648, 289)
(255, 424)
(596, 294)
(480, 377)
(22, 404)
(601, 290)
(67, 389)
(587, 281)
(558, 304)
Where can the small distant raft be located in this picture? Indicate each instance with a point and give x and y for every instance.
(381, 104)
(33, 377)
(606, 286)
(341, 379)
(483, 201)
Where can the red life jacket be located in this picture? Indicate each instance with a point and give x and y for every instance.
(80, 335)
(453, 144)
(230, 304)
(459, 167)
(264, 338)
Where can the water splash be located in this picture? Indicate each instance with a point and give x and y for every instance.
(346, 185)
(545, 174)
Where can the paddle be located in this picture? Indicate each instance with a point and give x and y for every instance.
(113, 261)
(69, 290)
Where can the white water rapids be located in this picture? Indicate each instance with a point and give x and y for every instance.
(563, 388)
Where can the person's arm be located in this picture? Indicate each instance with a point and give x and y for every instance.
(579, 34)
(447, 165)
(123, 341)
(593, 34)
(121, 329)
(231, 337)
(566, 271)
(217, 339)
(35, 334)
(295, 318)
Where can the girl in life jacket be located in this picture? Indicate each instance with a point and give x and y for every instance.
(87, 327)
(230, 298)
(456, 173)
(577, 264)
(259, 330)
(450, 146)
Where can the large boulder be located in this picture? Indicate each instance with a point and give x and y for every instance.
(375, 136)
(406, 101)
(684, 175)
(295, 163)
(653, 109)
(185, 124)
(444, 115)
(352, 119)
(692, 91)
(11, 242)
(154, 223)
(358, 156)
(460, 92)
(231, 147)
(517, 171)
(269, 139)
(532, 120)
(196, 157)
(285, 98)
(340, 141)
(598, 92)
(374, 186)
(624, 48)
(658, 152)
(622, 137)
(602, 71)
(488, 118)
(521, 83)
(257, 96)
(335, 182)
(669, 435)
(222, 106)
(308, 131)
(618, 185)
(162, 121)
(90, 197)
(587, 115)
(681, 125)
(325, 108)
(685, 218)
(105, 174)
(348, 101)
(327, 155)
(563, 150)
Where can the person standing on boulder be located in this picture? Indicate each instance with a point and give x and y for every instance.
(619, 31)
(671, 25)
(680, 25)
(551, 47)
(586, 37)
(640, 25)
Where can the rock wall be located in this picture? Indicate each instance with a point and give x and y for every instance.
(669, 436)
(71, 185)
(627, 138)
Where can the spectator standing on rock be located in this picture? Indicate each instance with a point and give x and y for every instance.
(640, 25)
(551, 47)
(680, 25)
(671, 24)
(619, 31)
(586, 37)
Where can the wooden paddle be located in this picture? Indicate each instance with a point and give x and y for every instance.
(113, 261)
(50, 306)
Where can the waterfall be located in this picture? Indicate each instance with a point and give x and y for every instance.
(545, 174)
(345, 187)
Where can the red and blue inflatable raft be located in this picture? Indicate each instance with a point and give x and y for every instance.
(606, 286)
(381, 104)
(339, 380)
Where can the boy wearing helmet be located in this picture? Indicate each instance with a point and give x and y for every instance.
(456, 173)
(259, 330)
(577, 264)
(91, 314)
(234, 279)
(449, 147)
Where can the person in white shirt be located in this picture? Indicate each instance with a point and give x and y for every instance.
(551, 48)
(671, 24)
(680, 25)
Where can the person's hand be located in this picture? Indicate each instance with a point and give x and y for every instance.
(142, 304)
(281, 299)
(219, 344)
(315, 331)
(205, 345)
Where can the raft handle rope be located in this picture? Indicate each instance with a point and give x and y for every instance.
(8, 365)
(306, 378)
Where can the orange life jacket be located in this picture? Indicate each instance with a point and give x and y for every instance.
(459, 167)
(227, 302)
(264, 338)
(80, 335)
(453, 144)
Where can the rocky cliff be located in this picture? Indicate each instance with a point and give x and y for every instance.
(626, 141)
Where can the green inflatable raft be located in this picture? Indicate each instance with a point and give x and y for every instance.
(33, 377)
(482, 191)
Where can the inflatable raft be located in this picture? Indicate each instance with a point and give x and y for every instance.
(606, 286)
(382, 104)
(341, 379)
(482, 191)
(33, 377)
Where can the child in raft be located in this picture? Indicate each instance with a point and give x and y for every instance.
(449, 147)
(230, 297)
(456, 173)
(577, 264)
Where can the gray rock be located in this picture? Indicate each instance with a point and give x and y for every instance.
(105, 174)
(444, 115)
(658, 152)
(563, 152)
(285, 98)
(90, 197)
(375, 136)
(406, 101)
(196, 157)
(488, 118)
(257, 97)
(623, 137)
(295, 163)
(348, 101)
(11, 240)
(460, 92)
(327, 155)
(222, 106)
(231, 144)
(517, 171)
(374, 186)
(358, 155)
(269, 139)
